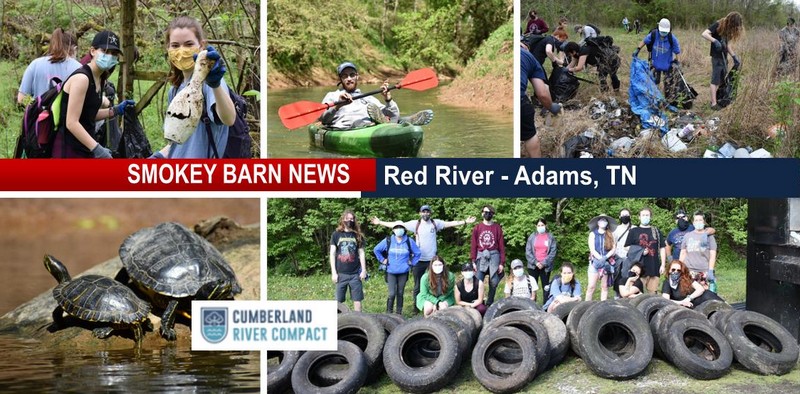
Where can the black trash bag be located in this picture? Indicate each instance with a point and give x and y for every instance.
(730, 85)
(563, 85)
(677, 91)
(107, 132)
(133, 144)
(574, 146)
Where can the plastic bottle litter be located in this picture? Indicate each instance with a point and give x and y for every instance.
(712, 286)
(727, 150)
(687, 132)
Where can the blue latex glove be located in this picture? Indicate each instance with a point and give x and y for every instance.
(119, 109)
(555, 108)
(101, 152)
(218, 71)
(717, 45)
(636, 52)
(710, 276)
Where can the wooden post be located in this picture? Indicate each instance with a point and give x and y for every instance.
(125, 85)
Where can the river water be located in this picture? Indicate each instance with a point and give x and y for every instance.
(27, 367)
(455, 132)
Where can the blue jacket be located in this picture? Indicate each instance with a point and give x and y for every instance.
(662, 53)
(398, 254)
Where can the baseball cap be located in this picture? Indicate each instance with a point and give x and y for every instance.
(106, 39)
(425, 208)
(398, 224)
(664, 25)
(345, 65)
(467, 267)
(516, 263)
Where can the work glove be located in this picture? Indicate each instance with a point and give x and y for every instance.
(636, 52)
(736, 61)
(101, 152)
(717, 45)
(710, 276)
(119, 109)
(555, 108)
(218, 71)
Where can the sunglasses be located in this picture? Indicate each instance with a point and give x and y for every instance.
(675, 270)
(351, 75)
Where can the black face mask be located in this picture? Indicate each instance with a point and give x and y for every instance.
(631, 274)
(488, 215)
(426, 216)
(683, 224)
(624, 219)
(350, 224)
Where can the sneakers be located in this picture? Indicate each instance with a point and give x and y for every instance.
(716, 107)
(420, 118)
(375, 114)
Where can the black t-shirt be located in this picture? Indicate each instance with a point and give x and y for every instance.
(677, 295)
(347, 246)
(644, 237)
(714, 53)
(468, 296)
(623, 278)
(540, 51)
(591, 52)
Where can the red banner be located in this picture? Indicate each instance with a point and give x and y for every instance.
(188, 175)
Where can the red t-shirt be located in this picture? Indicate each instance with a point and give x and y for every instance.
(488, 237)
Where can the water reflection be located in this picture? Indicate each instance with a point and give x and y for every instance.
(26, 367)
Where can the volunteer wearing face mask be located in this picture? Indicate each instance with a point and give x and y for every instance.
(632, 285)
(520, 284)
(82, 101)
(681, 289)
(540, 251)
(347, 259)
(488, 251)
(397, 259)
(185, 39)
(675, 237)
(602, 248)
(699, 253)
(438, 288)
(565, 288)
(647, 243)
(665, 45)
(469, 292)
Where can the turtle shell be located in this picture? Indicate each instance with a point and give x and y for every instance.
(174, 261)
(100, 299)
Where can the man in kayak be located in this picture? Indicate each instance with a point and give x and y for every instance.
(365, 111)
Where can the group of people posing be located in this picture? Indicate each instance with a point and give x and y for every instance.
(84, 104)
(598, 51)
(629, 259)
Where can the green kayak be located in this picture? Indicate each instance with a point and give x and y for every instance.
(383, 140)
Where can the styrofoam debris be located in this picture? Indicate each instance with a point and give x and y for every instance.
(761, 154)
(741, 153)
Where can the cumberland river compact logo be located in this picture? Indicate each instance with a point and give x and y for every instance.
(214, 324)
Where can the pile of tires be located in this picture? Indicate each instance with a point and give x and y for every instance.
(518, 341)
(759, 343)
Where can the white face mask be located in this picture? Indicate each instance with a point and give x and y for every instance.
(519, 272)
(399, 232)
(468, 274)
(602, 223)
(699, 225)
(644, 219)
(437, 269)
(541, 229)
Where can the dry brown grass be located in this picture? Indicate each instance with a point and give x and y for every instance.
(745, 122)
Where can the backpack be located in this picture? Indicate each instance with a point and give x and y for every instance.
(653, 37)
(40, 123)
(239, 140)
(596, 29)
(388, 240)
(532, 40)
(607, 54)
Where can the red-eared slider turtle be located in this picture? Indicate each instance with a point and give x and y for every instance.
(173, 265)
(99, 299)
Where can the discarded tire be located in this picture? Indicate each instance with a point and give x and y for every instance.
(615, 343)
(698, 349)
(507, 305)
(365, 331)
(389, 321)
(527, 322)
(563, 310)
(463, 333)
(462, 315)
(711, 307)
(675, 315)
(635, 301)
(342, 307)
(279, 376)
(720, 319)
(573, 320)
(557, 334)
(508, 382)
(406, 372)
(655, 323)
(305, 381)
(651, 305)
(760, 344)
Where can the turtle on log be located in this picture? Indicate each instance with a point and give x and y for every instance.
(96, 298)
(172, 265)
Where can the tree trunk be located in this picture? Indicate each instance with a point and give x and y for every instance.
(125, 85)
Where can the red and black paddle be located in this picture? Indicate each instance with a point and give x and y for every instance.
(303, 113)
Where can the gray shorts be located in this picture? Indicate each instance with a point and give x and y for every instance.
(356, 288)
(719, 67)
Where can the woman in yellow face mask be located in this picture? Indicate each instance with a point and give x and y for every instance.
(184, 38)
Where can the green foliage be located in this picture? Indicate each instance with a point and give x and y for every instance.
(299, 230)
(785, 105)
(426, 38)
